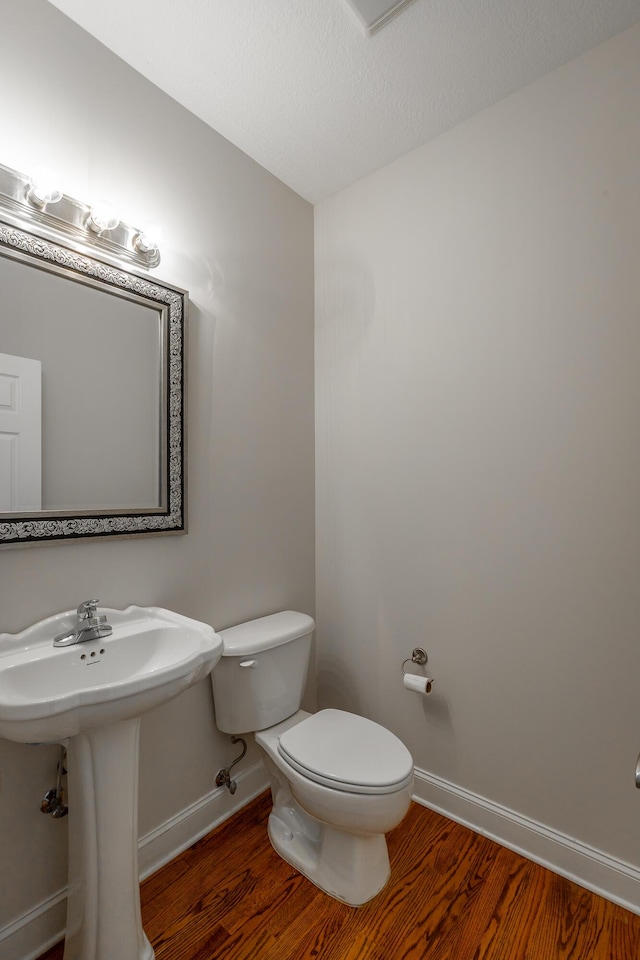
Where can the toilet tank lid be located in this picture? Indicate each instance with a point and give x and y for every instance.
(264, 633)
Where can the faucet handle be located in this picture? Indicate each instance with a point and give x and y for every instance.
(87, 609)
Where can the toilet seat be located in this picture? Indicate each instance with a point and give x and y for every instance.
(347, 752)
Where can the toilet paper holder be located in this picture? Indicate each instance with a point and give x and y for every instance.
(414, 681)
(418, 656)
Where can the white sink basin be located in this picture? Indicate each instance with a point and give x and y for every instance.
(51, 693)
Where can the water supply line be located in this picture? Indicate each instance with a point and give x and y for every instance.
(223, 776)
(54, 800)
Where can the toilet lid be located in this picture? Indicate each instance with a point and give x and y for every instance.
(347, 752)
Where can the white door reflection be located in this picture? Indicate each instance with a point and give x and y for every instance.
(20, 434)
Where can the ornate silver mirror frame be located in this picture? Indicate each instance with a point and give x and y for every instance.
(168, 515)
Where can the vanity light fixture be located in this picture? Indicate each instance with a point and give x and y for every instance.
(37, 200)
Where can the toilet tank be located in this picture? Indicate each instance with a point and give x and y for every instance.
(260, 678)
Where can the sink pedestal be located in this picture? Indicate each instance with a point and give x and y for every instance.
(103, 906)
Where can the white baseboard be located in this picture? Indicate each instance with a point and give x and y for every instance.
(607, 876)
(34, 932)
(197, 820)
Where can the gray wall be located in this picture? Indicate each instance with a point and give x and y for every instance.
(478, 456)
(242, 244)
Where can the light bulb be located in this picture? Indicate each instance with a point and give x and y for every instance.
(148, 238)
(43, 188)
(102, 217)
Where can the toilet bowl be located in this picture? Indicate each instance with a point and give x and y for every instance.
(329, 831)
(339, 781)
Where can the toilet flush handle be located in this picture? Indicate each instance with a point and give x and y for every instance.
(248, 663)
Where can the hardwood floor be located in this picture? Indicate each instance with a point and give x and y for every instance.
(453, 895)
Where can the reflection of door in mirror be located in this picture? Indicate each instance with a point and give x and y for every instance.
(20, 434)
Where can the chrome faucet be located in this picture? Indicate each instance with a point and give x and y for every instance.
(90, 626)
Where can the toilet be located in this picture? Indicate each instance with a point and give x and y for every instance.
(339, 781)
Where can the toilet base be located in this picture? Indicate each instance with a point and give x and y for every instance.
(349, 868)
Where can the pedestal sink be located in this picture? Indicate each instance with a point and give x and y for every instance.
(90, 696)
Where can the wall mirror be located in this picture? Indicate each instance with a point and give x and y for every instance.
(91, 396)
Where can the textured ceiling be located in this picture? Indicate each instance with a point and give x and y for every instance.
(298, 86)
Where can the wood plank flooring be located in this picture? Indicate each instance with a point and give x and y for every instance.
(453, 895)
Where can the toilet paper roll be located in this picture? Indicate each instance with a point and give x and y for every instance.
(418, 684)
